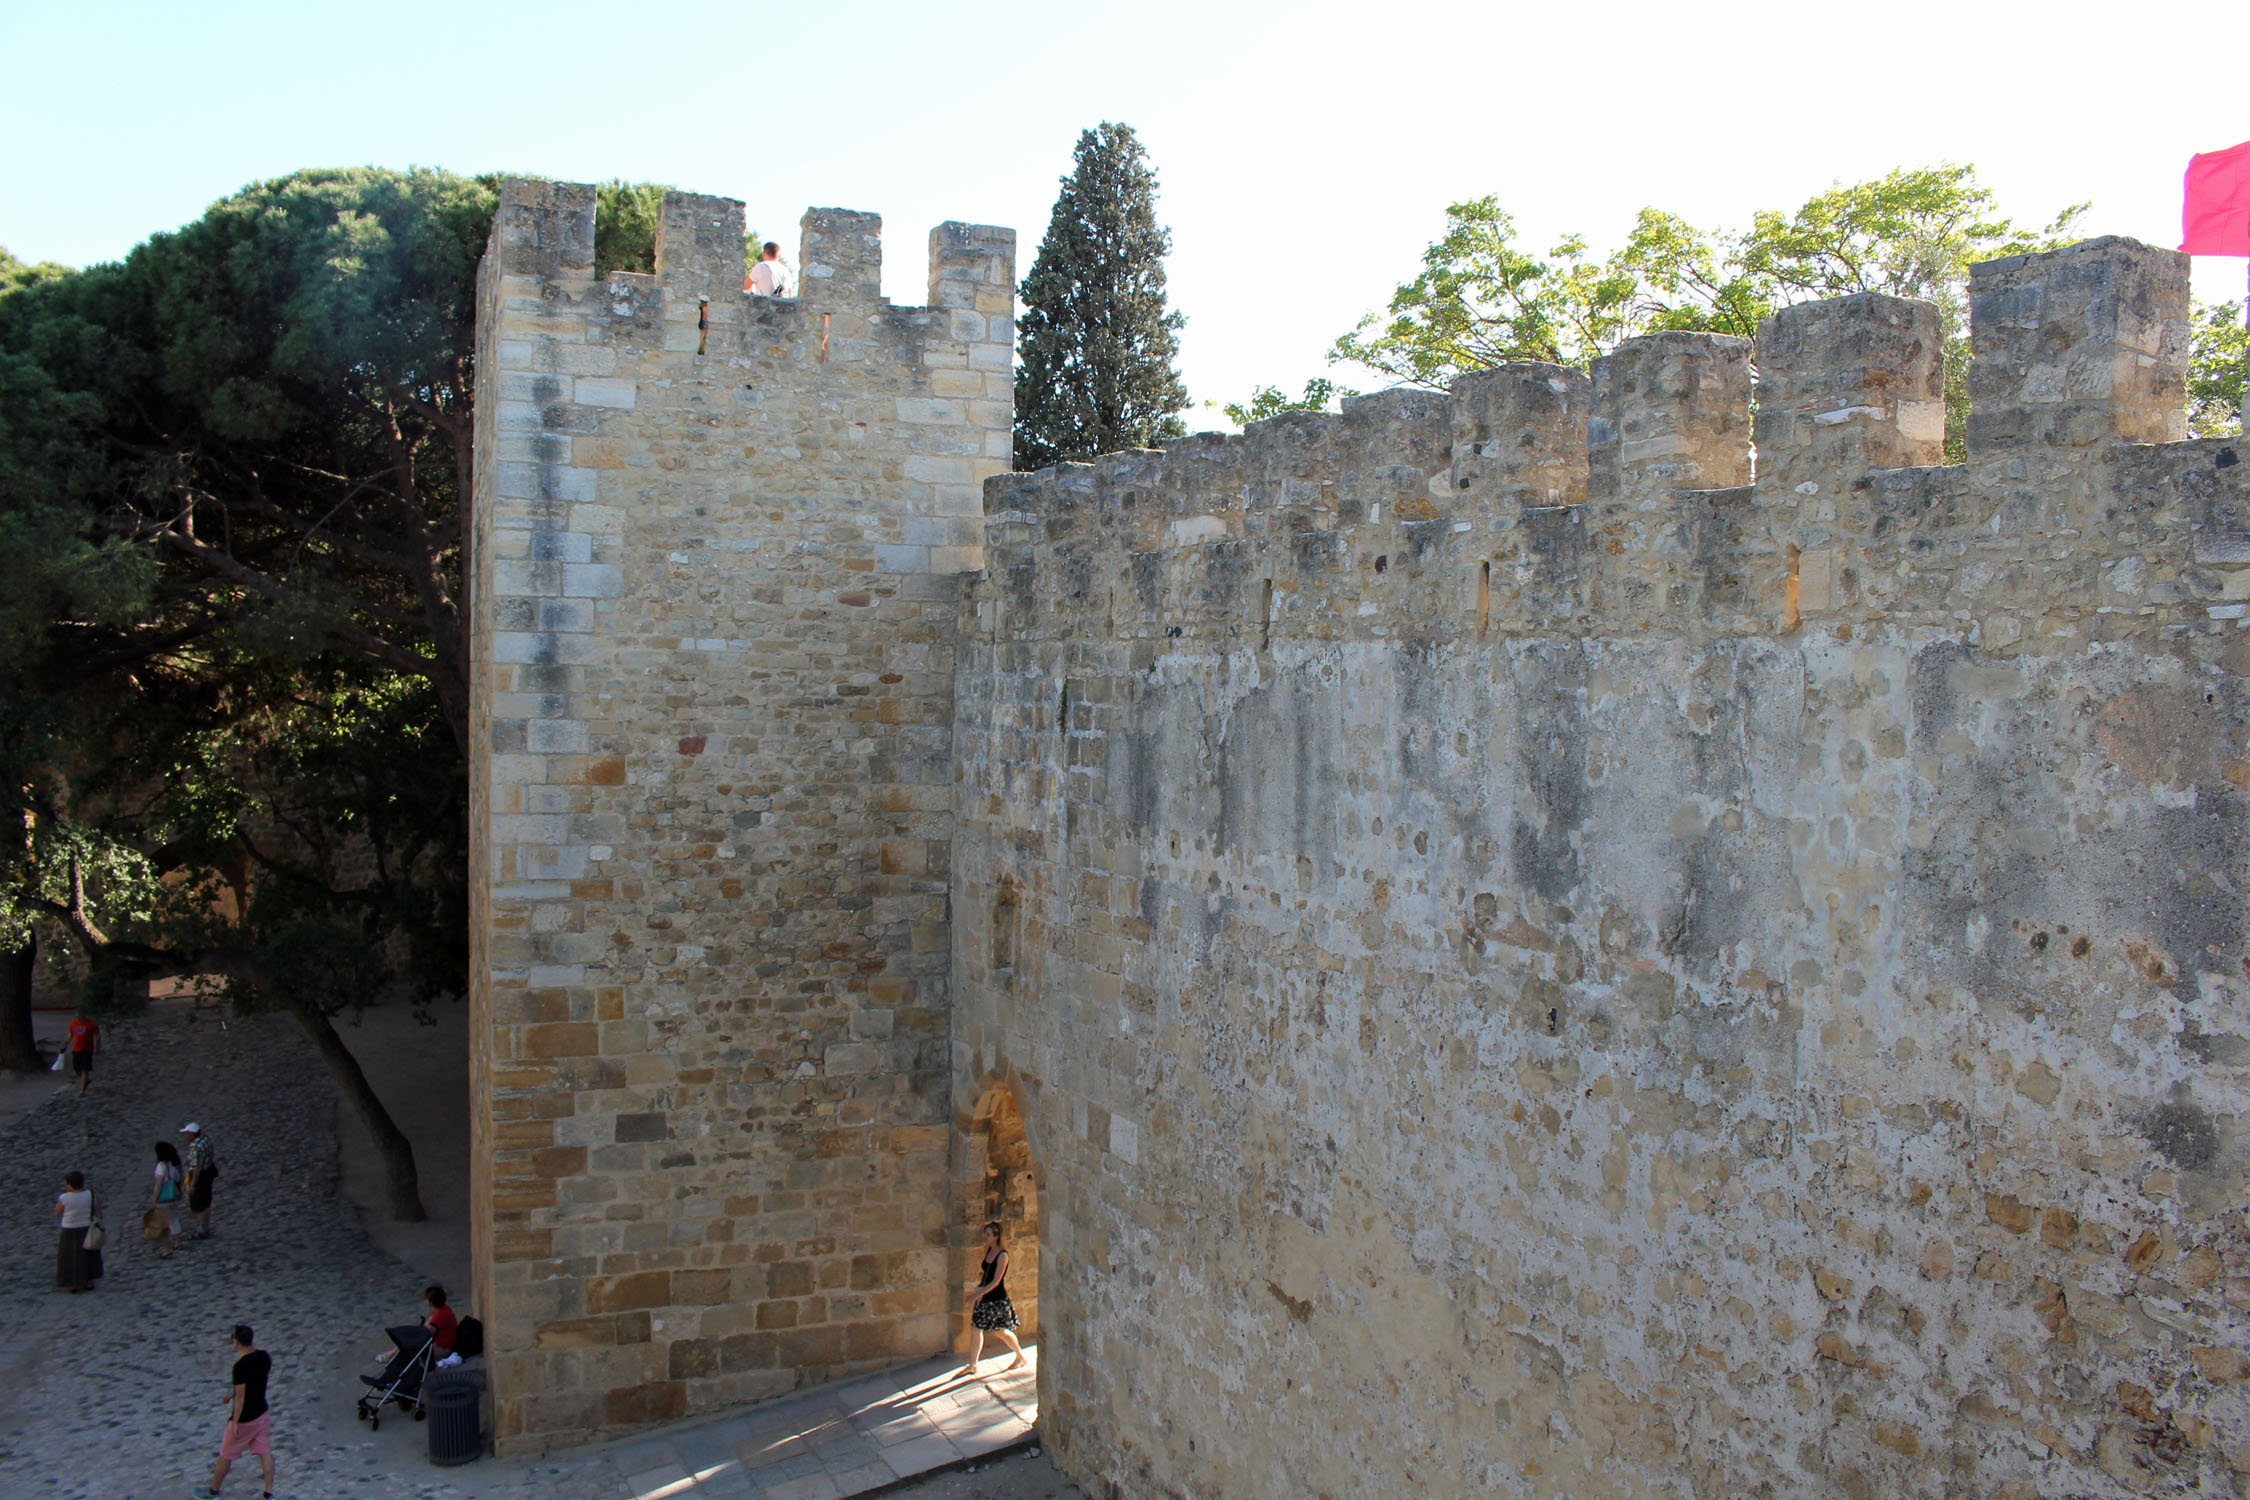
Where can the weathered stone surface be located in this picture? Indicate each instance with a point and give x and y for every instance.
(1465, 967)
(712, 804)
(1603, 989)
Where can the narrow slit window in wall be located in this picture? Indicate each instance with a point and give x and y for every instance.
(1484, 597)
(1002, 943)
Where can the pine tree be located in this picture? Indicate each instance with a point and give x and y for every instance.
(1097, 341)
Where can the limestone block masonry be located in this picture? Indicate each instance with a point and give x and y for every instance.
(1538, 961)
(1484, 945)
(714, 592)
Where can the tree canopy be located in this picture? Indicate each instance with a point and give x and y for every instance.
(2219, 348)
(233, 701)
(1096, 339)
(1481, 299)
(1271, 401)
(625, 218)
(232, 497)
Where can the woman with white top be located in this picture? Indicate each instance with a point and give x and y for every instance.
(76, 1208)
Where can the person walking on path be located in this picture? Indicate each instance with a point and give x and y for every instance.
(247, 1416)
(161, 1224)
(76, 1208)
(990, 1311)
(202, 1171)
(85, 1041)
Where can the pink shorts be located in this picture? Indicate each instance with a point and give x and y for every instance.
(247, 1437)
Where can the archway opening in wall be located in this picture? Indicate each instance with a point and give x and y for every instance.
(998, 1182)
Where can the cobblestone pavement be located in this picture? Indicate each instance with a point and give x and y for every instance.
(120, 1395)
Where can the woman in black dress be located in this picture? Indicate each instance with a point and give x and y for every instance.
(990, 1311)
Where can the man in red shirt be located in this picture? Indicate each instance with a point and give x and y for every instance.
(85, 1039)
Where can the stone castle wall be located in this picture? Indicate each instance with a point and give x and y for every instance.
(1534, 963)
(714, 599)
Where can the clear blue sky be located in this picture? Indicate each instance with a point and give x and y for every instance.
(1307, 151)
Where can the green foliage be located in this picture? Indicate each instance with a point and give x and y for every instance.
(58, 582)
(232, 489)
(343, 773)
(273, 404)
(2219, 349)
(16, 274)
(625, 219)
(1481, 300)
(1096, 341)
(1270, 401)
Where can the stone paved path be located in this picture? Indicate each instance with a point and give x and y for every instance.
(120, 1395)
(1019, 1475)
(839, 1441)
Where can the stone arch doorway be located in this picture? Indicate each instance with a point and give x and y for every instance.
(997, 1180)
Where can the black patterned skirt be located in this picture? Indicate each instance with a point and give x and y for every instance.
(993, 1313)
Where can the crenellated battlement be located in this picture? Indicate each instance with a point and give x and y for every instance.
(1654, 892)
(694, 302)
(1725, 911)
(1535, 498)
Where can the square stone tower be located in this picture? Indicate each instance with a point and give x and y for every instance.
(713, 594)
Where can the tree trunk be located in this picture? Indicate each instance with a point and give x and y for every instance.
(396, 1150)
(19, 1053)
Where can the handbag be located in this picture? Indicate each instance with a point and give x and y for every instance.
(96, 1237)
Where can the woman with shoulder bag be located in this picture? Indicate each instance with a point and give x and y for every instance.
(161, 1224)
(76, 1212)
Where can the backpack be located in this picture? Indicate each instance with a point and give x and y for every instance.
(468, 1338)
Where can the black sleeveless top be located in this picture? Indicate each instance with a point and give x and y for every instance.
(999, 1292)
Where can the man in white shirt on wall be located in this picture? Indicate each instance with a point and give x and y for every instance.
(769, 277)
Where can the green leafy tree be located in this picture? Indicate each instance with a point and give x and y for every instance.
(50, 571)
(1271, 401)
(16, 274)
(2219, 348)
(282, 391)
(1481, 300)
(625, 218)
(63, 587)
(259, 427)
(1096, 341)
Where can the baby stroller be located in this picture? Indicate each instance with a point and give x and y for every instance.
(401, 1379)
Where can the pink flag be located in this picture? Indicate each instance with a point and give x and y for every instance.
(2215, 219)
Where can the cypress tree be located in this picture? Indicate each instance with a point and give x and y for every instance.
(1096, 339)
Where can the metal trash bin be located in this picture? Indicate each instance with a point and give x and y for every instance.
(455, 1403)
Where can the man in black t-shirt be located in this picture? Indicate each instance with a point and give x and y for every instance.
(246, 1413)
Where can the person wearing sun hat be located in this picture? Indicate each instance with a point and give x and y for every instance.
(202, 1171)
